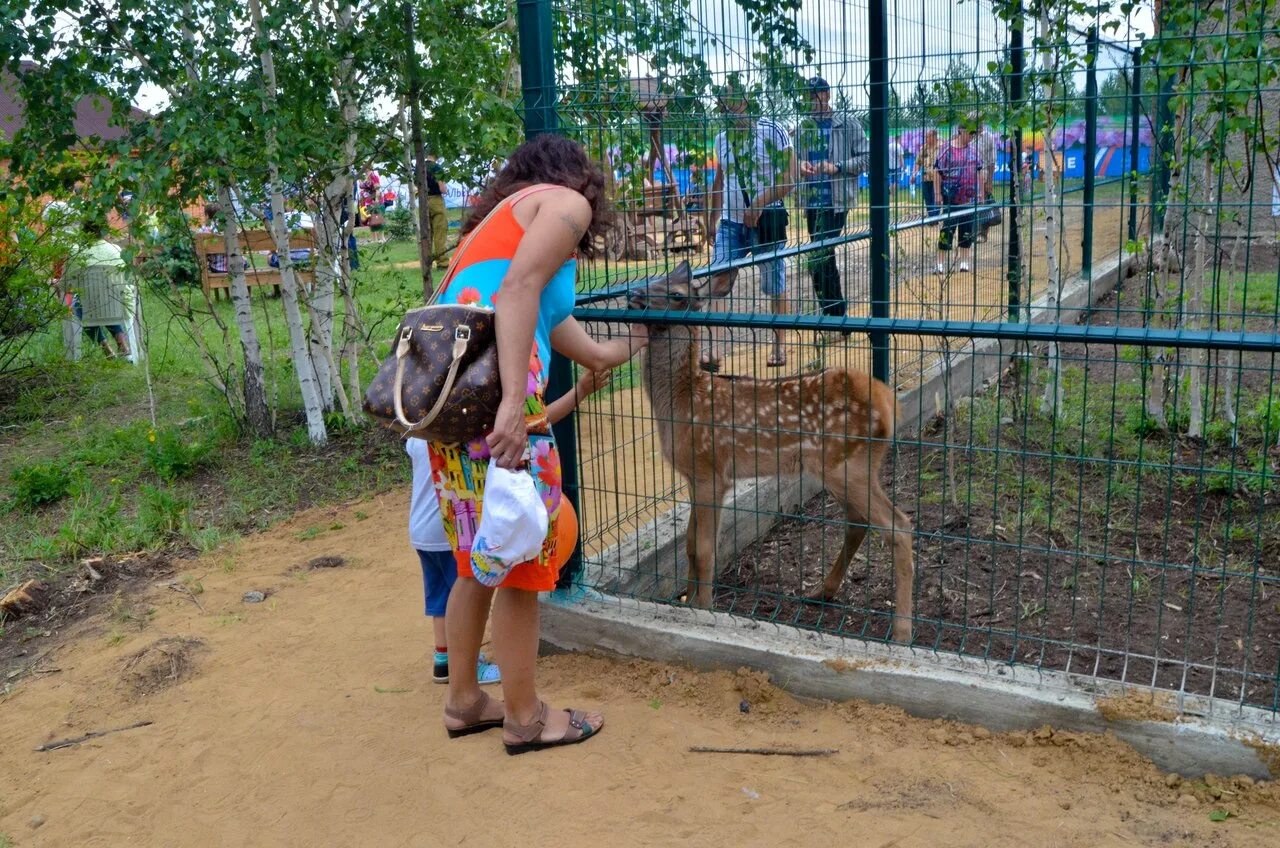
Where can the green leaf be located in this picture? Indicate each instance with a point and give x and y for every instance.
(1219, 816)
(382, 691)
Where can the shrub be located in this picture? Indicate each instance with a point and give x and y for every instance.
(39, 484)
(93, 524)
(399, 224)
(162, 515)
(172, 456)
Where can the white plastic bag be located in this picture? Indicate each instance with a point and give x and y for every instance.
(513, 525)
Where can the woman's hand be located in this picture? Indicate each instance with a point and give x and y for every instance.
(510, 435)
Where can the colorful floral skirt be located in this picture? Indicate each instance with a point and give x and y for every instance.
(458, 472)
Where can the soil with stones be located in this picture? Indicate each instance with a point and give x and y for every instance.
(1132, 556)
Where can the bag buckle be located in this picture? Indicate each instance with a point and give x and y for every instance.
(462, 333)
(403, 347)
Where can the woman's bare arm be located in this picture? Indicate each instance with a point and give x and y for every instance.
(550, 238)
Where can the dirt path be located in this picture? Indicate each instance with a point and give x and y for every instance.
(309, 720)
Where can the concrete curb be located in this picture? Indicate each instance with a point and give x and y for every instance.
(1211, 735)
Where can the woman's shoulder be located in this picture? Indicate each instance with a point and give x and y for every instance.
(550, 195)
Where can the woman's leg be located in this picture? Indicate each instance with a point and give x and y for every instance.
(465, 619)
(515, 640)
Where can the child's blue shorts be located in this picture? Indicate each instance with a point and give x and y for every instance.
(439, 570)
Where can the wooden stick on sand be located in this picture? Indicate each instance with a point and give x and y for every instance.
(767, 752)
(93, 734)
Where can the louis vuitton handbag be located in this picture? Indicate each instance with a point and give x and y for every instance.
(441, 381)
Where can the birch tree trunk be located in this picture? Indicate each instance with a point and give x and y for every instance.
(298, 348)
(257, 410)
(329, 267)
(1195, 320)
(1231, 374)
(410, 179)
(425, 256)
(352, 328)
(1052, 400)
(337, 272)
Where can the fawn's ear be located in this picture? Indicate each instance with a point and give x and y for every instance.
(682, 275)
(721, 285)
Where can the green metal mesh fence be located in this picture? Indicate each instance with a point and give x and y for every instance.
(1052, 236)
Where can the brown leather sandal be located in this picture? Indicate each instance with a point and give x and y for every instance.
(530, 734)
(472, 718)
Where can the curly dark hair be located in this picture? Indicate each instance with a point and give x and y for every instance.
(552, 160)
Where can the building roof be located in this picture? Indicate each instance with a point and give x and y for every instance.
(93, 114)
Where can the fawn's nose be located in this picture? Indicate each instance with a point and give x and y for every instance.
(638, 300)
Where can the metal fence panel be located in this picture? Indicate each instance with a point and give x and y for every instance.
(1088, 429)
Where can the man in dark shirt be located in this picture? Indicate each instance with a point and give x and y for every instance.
(832, 149)
(435, 209)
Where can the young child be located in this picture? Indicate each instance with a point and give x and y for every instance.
(426, 532)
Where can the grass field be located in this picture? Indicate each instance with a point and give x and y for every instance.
(84, 470)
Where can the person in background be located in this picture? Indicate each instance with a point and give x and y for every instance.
(217, 262)
(832, 150)
(925, 175)
(436, 211)
(985, 144)
(896, 155)
(428, 538)
(101, 253)
(959, 168)
(753, 174)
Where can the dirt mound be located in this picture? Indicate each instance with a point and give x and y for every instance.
(164, 663)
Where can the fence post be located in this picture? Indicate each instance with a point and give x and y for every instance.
(538, 80)
(537, 66)
(1013, 268)
(1090, 150)
(1135, 118)
(878, 78)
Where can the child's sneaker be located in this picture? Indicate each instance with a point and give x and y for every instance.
(486, 672)
(939, 270)
(964, 266)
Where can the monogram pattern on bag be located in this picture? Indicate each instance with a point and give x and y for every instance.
(477, 389)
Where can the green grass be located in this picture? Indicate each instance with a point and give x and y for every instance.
(1107, 458)
(84, 471)
(1255, 294)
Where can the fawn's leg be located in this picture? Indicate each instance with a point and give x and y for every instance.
(837, 482)
(865, 493)
(898, 527)
(707, 521)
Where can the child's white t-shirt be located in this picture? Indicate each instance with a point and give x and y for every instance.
(426, 532)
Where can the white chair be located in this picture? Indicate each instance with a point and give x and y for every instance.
(106, 300)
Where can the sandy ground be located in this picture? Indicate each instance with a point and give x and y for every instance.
(310, 720)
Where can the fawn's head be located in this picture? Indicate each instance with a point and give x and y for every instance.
(676, 292)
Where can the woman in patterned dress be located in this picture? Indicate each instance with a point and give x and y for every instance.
(519, 255)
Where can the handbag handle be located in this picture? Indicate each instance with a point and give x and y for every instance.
(461, 337)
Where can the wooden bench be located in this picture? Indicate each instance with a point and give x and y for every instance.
(257, 247)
